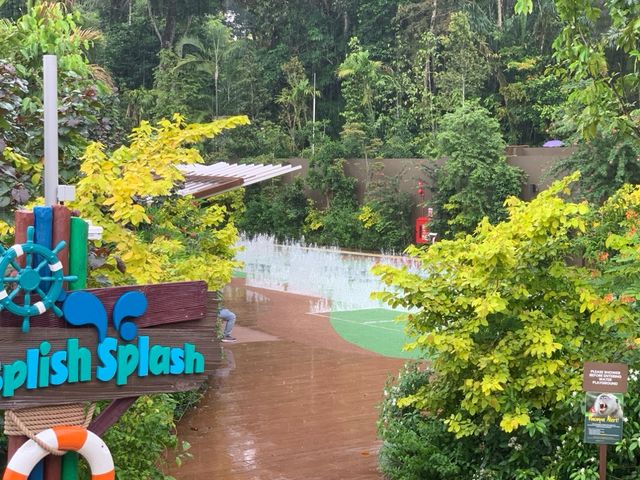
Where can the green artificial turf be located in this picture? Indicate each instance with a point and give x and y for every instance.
(374, 329)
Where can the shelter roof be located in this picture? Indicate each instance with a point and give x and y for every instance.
(204, 181)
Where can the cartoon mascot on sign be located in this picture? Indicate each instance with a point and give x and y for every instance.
(607, 405)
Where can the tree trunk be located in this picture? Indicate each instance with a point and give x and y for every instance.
(499, 14)
(427, 67)
(463, 89)
(152, 18)
(213, 100)
(432, 23)
(216, 84)
(169, 34)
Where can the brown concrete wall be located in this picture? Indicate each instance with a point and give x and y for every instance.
(409, 171)
(534, 161)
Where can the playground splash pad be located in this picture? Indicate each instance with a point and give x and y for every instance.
(341, 280)
(296, 401)
(299, 397)
(339, 286)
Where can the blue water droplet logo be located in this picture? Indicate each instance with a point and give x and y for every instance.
(130, 305)
(83, 308)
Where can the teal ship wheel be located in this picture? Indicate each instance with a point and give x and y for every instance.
(28, 279)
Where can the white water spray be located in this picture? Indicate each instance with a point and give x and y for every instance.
(342, 280)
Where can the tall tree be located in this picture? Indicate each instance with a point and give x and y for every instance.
(474, 180)
(316, 31)
(295, 98)
(598, 49)
(244, 80)
(169, 16)
(125, 28)
(375, 27)
(207, 54)
(360, 76)
(465, 68)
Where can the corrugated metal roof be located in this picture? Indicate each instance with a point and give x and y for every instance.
(203, 181)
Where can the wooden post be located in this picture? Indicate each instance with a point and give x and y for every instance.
(78, 251)
(52, 467)
(61, 232)
(110, 415)
(43, 235)
(23, 220)
(14, 442)
(603, 462)
(78, 248)
(70, 466)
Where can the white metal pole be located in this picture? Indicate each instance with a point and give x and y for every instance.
(313, 124)
(50, 65)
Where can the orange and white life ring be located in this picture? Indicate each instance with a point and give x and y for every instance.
(77, 439)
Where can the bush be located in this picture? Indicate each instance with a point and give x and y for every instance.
(606, 163)
(386, 216)
(276, 209)
(509, 324)
(337, 225)
(475, 179)
(140, 438)
(415, 445)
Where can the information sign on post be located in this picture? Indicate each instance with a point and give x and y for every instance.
(604, 384)
(605, 377)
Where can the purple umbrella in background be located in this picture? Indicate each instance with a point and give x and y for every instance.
(554, 143)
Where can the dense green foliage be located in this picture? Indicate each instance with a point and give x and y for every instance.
(148, 426)
(473, 149)
(385, 76)
(417, 445)
(85, 105)
(509, 323)
(386, 215)
(275, 209)
(505, 318)
(606, 163)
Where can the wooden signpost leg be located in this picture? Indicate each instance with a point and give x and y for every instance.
(14, 442)
(78, 244)
(110, 415)
(603, 462)
(52, 467)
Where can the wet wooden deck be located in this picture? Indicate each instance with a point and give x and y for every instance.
(297, 401)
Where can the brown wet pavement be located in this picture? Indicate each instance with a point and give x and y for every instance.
(297, 402)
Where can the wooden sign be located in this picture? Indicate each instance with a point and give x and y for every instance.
(171, 346)
(605, 377)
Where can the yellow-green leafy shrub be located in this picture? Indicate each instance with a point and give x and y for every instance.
(506, 319)
(151, 234)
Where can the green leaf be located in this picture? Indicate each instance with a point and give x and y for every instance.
(523, 7)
